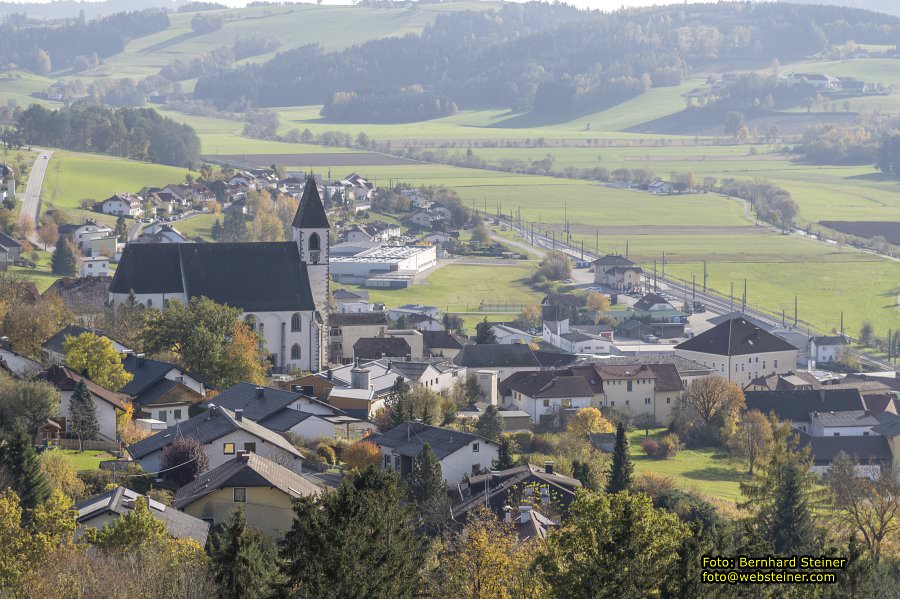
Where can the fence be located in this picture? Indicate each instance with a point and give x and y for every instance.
(110, 446)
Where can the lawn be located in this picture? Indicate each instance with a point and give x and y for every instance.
(72, 176)
(198, 226)
(86, 460)
(707, 471)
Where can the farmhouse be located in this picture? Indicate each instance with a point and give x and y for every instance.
(281, 287)
(617, 272)
(827, 349)
(107, 404)
(122, 204)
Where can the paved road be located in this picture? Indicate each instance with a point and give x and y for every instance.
(31, 198)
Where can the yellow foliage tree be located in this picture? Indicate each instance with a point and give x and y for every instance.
(597, 301)
(589, 420)
(244, 359)
(24, 546)
(96, 357)
(361, 455)
(60, 473)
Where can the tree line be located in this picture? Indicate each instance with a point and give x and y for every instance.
(136, 133)
(44, 46)
(551, 59)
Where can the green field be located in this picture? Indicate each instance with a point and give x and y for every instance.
(709, 472)
(198, 226)
(17, 87)
(72, 176)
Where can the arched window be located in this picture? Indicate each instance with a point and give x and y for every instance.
(295, 323)
(314, 248)
(250, 321)
(295, 352)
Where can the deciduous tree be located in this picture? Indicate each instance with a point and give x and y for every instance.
(752, 438)
(96, 358)
(361, 455)
(589, 420)
(26, 404)
(29, 325)
(184, 458)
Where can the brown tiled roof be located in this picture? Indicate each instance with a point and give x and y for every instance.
(66, 380)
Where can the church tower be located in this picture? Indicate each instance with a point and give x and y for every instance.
(310, 232)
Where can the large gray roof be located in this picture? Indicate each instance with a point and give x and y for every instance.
(121, 501)
(311, 213)
(249, 470)
(206, 428)
(410, 437)
(735, 337)
(497, 356)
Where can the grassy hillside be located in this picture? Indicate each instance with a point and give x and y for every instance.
(17, 86)
(293, 25)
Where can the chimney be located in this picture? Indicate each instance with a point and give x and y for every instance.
(507, 514)
(140, 359)
(524, 513)
(409, 357)
(359, 378)
(239, 414)
(548, 466)
(260, 392)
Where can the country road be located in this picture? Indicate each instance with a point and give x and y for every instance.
(31, 198)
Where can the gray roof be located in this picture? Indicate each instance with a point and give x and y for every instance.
(735, 337)
(344, 319)
(546, 385)
(848, 418)
(121, 501)
(496, 356)
(206, 428)
(55, 343)
(371, 348)
(797, 404)
(18, 365)
(830, 340)
(440, 340)
(311, 213)
(410, 437)
(8, 242)
(864, 449)
(286, 419)
(248, 470)
(260, 402)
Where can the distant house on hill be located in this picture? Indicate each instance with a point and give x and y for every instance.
(617, 272)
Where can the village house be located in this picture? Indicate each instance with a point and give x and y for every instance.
(824, 350)
(95, 266)
(348, 328)
(441, 344)
(618, 273)
(10, 249)
(870, 453)
(222, 433)
(798, 406)
(105, 509)
(558, 334)
(547, 397)
(460, 454)
(740, 351)
(282, 288)
(122, 204)
(85, 297)
(506, 334)
(265, 489)
(53, 351)
(107, 405)
(89, 231)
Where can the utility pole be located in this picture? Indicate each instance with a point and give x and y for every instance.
(744, 299)
(664, 265)
(582, 250)
(626, 248)
(654, 275)
(693, 291)
(842, 323)
(553, 239)
(704, 276)
(732, 297)
(795, 310)
(597, 242)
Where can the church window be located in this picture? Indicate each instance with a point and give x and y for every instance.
(314, 248)
(295, 323)
(295, 352)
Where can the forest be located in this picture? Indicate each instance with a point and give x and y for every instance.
(537, 56)
(43, 47)
(136, 133)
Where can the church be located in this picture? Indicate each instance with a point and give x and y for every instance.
(281, 287)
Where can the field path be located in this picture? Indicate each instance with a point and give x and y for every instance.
(31, 198)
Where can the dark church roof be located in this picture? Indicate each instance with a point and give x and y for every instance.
(311, 214)
(736, 337)
(251, 276)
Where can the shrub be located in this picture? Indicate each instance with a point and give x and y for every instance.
(161, 495)
(361, 455)
(339, 446)
(327, 454)
(653, 484)
(669, 446)
(543, 444)
(650, 447)
(522, 440)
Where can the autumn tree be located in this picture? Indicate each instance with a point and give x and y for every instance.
(487, 560)
(597, 301)
(125, 322)
(95, 357)
(28, 535)
(183, 459)
(751, 438)
(587, 421)
(706, 403)
(30, 325)
(60, 474)
(48, 234)
(611, 545)
(83, 414)
(245, 360)
(26, 404)
(530, 317)
(554, 267)
(868, 507)
(361, 455)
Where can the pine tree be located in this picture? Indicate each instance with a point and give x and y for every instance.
(64, 262)
(504, 459)
(426, 480)
(484, 333)
(621, 469)
(121, 229)
(792, 523)
(241, 559)
(490, 424)
(83, 414)
(216, 230)
(354, 542)
(23, 467)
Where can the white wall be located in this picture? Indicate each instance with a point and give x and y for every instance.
(106, 415)
(742, 369)
(170, 414)
(536, 407)
(314, 428)
(455, 466)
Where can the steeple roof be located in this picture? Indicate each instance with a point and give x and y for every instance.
(311, 214)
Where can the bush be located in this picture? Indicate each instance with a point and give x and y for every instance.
(361, 455)
(543, 444)
(327, 454)
(654, 484)
(669, 446)
(161, 495)
(522, 441)
(650, 447)
(339, 446)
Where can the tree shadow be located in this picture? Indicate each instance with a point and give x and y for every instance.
(715, 473)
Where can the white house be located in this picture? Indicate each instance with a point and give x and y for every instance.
(506, 334)
(827, 349)
(282, 288)
(122, 204)
(93, 266)
(544, 394)
(740, 351)
(106, 403)
(853, 423)
(460, 454)
(88, 231)
(558, 334)
(222, 433)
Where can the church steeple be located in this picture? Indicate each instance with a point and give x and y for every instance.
(311, 213)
